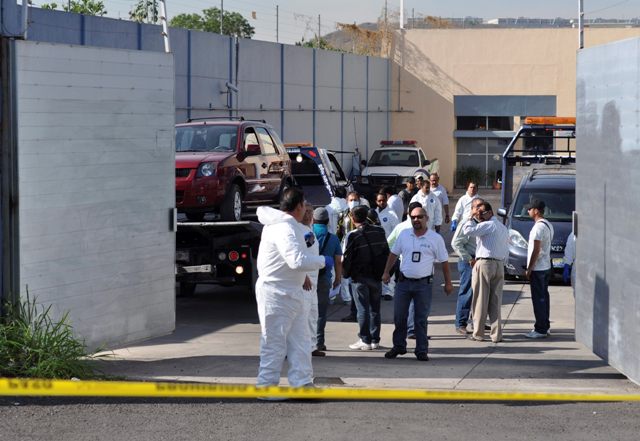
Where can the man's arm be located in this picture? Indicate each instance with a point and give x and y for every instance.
(477, 229)
(338, 267)
(537, 245)
(391, 260)
(295, 256)
(457, 212)
(458, 244)
(348, 257)
(448, 286)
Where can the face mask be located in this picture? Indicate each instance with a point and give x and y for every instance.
(353, 204)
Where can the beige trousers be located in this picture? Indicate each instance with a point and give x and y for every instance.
(487, 280)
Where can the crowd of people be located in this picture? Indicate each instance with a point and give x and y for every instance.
(363, 255)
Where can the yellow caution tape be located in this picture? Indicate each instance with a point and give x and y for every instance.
(68, 388)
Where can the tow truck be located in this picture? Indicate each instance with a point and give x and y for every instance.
(538, 163)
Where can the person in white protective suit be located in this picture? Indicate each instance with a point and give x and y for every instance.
(283, 263)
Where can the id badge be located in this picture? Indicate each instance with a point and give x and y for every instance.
(415, 256)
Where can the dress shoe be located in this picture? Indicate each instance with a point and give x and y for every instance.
(321, 347)
(318, 353)
(422, 356)
(393, 353)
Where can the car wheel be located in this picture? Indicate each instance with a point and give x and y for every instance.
(195, 217)
(231, 209)
(187, 289)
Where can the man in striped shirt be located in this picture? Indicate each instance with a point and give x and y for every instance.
(487, 279)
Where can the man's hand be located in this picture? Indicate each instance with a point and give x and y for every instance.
(447, 219)
(448, 287)
(386, 277)
(307, 285)
(527, 274)
(472, 262)
(337, 282)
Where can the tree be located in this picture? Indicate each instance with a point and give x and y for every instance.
(313, 43)
(86, 7)
(145, 11)
(233, 23)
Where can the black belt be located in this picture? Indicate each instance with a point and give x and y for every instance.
(402, 278)
(488, 258)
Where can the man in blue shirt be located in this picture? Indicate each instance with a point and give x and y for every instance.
(329, 246)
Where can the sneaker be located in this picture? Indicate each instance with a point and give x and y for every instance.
(393, 353)
(474, 338)
(535, 334)
(318, 353)
(375, 345)
(422, 356)
(461, 330)
(360, 345)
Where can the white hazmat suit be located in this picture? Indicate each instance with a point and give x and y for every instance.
(283, 262)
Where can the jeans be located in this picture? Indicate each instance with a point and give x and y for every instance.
(540, 300)
(420, 293)
(465, 294)
(324, 285)
(366, 293)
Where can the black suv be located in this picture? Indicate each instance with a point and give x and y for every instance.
(556, 186)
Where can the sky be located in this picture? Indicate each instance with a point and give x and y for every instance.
(299, 18)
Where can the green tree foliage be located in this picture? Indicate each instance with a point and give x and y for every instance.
(313, 43)
(233, 23)
(86, 7)
(145, 11)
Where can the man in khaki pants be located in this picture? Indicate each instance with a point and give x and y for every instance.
(487, 279)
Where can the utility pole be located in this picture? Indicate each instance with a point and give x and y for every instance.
(318, 31)
(401, 14)
(221, 14)
(277, 23)
(413, 18)
(580, 24)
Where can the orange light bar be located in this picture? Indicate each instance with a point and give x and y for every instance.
(550, 120)
(298, 144)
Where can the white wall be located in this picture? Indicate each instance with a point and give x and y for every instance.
(96, 185)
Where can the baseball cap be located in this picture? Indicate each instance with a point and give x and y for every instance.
(537, 204)
(320, 214)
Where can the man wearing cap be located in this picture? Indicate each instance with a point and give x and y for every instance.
(538, 266)
(406, 195)
(463, 206)
(430, 203)
(329, 245)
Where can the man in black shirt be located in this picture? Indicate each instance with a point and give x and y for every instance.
(406, 195)
(365, 254)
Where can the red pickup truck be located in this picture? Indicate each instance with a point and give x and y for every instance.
(224, 164)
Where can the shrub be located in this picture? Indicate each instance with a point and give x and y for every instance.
(33, 345)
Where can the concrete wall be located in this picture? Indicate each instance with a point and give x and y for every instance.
(432, 66)
(338, 101)
(607, 277)
(96, 186)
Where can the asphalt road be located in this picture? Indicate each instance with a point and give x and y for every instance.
(144, 420)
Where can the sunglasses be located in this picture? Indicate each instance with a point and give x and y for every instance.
(420, 216)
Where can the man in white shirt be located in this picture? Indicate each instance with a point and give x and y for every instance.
(487, 278)
(394, 202)
(463, 206)
(538, 266)
(387, 216)
(420, 248)
(441, 192)
(431, 204)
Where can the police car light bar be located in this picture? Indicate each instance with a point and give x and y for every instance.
(402, 142)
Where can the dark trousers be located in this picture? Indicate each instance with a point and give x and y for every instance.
(324, 286)
(540, 299)
(366, 293)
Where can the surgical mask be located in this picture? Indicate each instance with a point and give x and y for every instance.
(353, 204)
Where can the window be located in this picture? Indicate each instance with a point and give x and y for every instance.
(500, 123)
(423, 160)
(472, 123)
(268, 147)
(559, 204)
(250, 137)
(336, 169)
(398, 158)
(206, 138)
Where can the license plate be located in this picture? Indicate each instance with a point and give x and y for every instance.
(558, 262)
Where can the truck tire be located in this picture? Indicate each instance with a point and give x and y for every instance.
(231, 209)
(187, 289)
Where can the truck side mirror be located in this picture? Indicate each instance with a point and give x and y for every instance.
(502, 212)
(499, 176)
